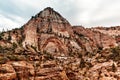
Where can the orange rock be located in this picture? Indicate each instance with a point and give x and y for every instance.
(7, 72)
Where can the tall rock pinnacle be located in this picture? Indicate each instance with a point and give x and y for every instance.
(50, 15)
(50, 21)
(45, 24)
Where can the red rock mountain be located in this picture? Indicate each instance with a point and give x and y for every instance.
(48, 47)
(49, 31)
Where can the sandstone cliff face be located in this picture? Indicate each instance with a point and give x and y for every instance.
(90, 40)
(49, 48)
(49, 31)
(112, 31)
(30, 34)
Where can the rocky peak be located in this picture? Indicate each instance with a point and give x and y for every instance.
(47, 27)
(50, 21)
(48, 14)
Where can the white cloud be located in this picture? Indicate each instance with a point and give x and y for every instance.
(6, 23)
(78, 12)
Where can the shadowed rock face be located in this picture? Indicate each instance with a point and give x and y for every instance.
(47, 47)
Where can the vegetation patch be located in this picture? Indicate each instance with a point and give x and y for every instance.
(115, 53)
(3, 60)
(16, 57)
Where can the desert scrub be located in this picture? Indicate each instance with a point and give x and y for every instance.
(14, 46)
(16, 57)
(82, 63)
(1, 36)
(5, 49)
(3, 59)
(3, 71)
(115, 53)
(1, 49)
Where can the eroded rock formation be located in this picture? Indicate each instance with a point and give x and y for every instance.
(47, 47)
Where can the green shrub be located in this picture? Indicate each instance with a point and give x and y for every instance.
(1, 37)
(16, 57)
(82, 64)
(3, 71)
(14, 45)
(3, 60)
(9, 38)
(1, 49)
(115, 53)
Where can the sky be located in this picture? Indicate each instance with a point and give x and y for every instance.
(88, 13)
